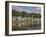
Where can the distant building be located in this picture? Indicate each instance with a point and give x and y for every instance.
(19, 21)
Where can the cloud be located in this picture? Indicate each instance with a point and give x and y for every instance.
(26, 9)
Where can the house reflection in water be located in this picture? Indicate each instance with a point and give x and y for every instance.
(26, 23)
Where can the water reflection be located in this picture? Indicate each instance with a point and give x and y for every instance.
(20, 23)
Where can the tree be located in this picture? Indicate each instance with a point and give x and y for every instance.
(23, 14)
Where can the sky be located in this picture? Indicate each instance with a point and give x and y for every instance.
(28, 9)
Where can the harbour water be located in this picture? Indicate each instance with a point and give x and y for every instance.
(19, 23)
